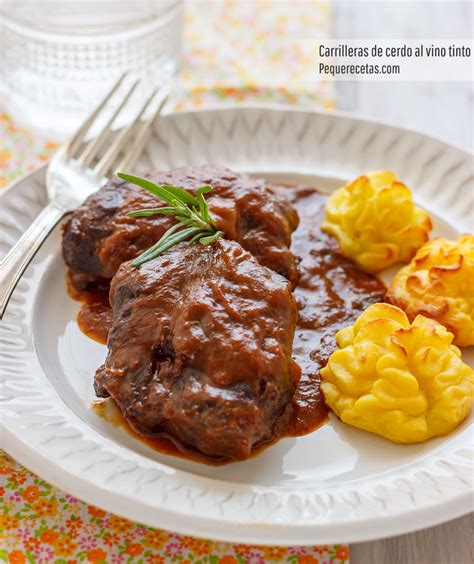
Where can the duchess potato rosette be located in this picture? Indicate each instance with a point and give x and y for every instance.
(438, 283)
(403, 381)
(376, 222)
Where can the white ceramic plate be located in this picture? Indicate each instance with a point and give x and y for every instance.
(337, 484)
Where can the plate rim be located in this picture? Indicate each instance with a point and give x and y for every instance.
(356, 116)
(356, 532)
(454, 507)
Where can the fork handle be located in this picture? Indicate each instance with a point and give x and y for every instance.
(22, 253)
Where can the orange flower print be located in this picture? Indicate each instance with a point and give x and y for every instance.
(199, 546)
(342, 553)
(73, 532)
(45, 508)
(74, 522)
(18, 478)
(8, 522)
(32, 544)
(156, 539)
(96, 512)
(16, 557)
(64, 546)
(31, 494)
(50, 145)
(307, 559)
(111, 539)
(128, 536)
(5, 469)
(96, 555)
(227, 560)
(2, 491)
(243, 549)
(49, 536)
(156, 559)
(275, 553)
(118, 524)
(5, 156)
(134, 549)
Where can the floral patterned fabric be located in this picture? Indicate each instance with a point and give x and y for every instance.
(20, 151)
(40, 524)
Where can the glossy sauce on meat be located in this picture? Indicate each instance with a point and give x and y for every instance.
(330, 295)
(200, 349)
(100, 236)
(108, 410)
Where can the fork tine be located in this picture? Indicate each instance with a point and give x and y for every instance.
(75, 142)
(103, 167)
(142, 137)
(90, 152)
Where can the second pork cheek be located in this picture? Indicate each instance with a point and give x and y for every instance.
(200, 348)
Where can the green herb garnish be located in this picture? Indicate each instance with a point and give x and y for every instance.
(191, 211)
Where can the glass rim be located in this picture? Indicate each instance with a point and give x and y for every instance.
(66, 35)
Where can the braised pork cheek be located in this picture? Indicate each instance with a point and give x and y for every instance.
(100, 236)
(200, 349)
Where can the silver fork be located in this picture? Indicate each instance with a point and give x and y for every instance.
(71, 177)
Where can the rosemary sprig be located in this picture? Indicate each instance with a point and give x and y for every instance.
(191, 212)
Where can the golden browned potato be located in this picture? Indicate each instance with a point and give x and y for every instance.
(439, 283)
(376, 222)
(403, 381)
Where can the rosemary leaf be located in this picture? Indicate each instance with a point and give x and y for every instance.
(181, 194)
(194, 222)
(202, 202)
(211, 238)
(154, 211)
(196, 238)
(156, 190)
(163, 238)
(151, 211)
(160, 248)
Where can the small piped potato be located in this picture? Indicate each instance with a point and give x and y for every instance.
(403, 381)
(376, 222)
(438, 283)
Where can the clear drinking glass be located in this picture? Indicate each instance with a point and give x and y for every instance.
(59, 57)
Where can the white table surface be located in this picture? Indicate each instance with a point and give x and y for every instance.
(442, 109)
(445, 110)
